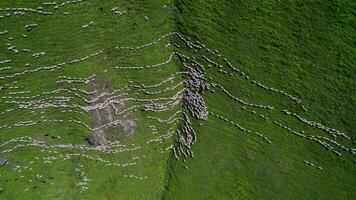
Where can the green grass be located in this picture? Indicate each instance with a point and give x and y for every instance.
(63, 39)
(304, 48)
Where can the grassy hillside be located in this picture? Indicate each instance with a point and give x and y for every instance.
(63, 39)
(305, 49)
(107, 64)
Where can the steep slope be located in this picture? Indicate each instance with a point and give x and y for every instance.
(177, 100)
(304, 49)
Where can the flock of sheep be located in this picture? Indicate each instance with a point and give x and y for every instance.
(73, 96)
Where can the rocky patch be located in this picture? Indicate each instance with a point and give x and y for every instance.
(105, 106)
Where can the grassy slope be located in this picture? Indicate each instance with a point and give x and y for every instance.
(305, 49)
(283, 44)
(63, 39)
